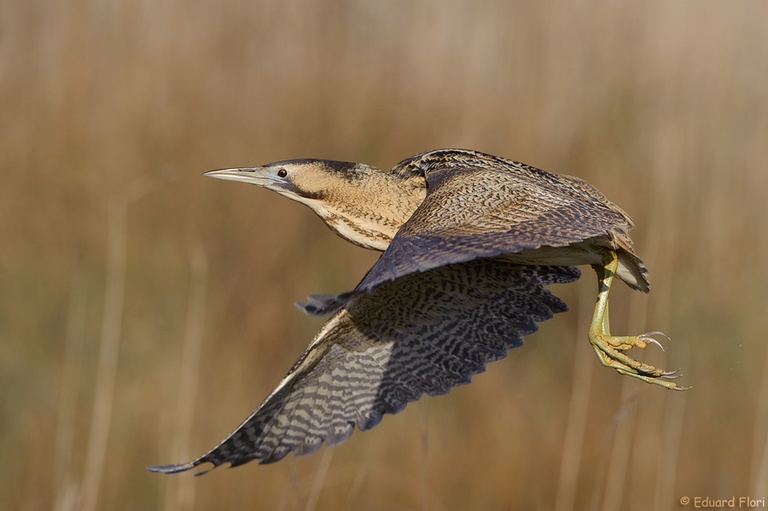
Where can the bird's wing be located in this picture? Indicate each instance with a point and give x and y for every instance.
(472, 213)
(422, 334)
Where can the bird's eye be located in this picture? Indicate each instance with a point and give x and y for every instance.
(282, 173)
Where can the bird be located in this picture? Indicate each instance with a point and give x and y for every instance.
(469, 243)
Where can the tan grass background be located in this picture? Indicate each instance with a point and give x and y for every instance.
(144, 310)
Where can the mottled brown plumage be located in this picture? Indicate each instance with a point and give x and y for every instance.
(480, 205)
(470, 240)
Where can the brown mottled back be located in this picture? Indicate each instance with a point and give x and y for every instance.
(478, 205)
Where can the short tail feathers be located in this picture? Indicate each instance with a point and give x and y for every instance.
(632, 271)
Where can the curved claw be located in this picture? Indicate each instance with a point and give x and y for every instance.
(657, 332)
(646, 337)
(651, 340)
(671, 375)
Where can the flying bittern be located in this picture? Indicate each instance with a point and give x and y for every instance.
(469, 240)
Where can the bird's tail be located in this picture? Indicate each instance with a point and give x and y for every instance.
(632, 271)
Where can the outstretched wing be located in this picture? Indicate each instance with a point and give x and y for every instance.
(473, 212)
(423, 334)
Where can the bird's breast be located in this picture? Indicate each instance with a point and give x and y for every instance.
(371, 235)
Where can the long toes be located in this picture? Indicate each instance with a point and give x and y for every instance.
(658, 373)
(647, 371)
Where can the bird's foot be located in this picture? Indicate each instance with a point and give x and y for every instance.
(610, 350)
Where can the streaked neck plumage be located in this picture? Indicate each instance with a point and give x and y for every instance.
(368, 212)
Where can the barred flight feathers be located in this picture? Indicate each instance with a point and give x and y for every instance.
(424, 334)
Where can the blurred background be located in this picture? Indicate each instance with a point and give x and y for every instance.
(145, 310)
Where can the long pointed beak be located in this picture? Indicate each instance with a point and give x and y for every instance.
(260, 176)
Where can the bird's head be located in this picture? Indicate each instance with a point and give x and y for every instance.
(306, 180)
(360, 203)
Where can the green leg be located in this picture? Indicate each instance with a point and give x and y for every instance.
(610, 348)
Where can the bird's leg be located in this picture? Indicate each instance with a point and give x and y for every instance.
(610, 348)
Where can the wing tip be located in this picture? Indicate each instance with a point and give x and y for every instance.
(173, 468)
(176, 468)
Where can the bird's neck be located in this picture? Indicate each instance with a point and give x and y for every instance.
(371, 214)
